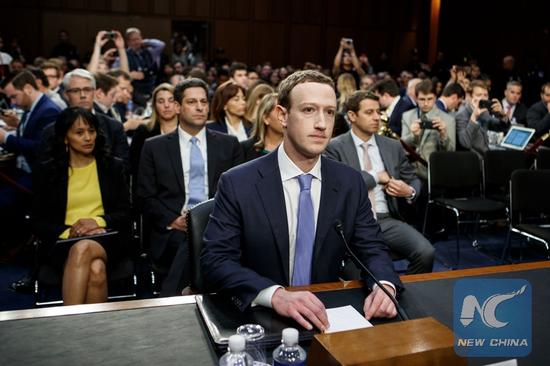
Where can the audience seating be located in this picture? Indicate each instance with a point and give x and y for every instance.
(498, 166)
(543, 158)
(197, 219)
(455, 182)
(529, 207)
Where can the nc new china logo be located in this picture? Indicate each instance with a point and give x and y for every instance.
(492, 317)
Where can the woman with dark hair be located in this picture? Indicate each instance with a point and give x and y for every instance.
(164, 119)
(80, 193)
(268, 131)
(228, 110)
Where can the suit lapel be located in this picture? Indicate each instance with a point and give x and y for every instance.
(174, 153)
(350, 152)
(270, 191)
(212, 158)
(325, 219)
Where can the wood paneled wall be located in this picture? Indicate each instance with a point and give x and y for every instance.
(253, 31)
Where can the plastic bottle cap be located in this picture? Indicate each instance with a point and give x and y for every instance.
(237, 343)
(290, 336)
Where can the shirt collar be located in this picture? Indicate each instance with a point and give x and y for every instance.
(102, 107)
(358, 142)
(289, 170)
(391, 107)
(505, 104)
(185, 137)
(35, 102)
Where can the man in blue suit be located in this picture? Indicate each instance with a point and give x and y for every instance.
(273, 218)
(39, 111)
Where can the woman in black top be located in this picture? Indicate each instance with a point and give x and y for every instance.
(80, 192)
(228, 111)
(268, 131)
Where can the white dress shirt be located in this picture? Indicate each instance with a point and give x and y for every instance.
(239, 132)
(185, 151)
(505, 106)
(377, 166)
(391, 107)
(291, 189)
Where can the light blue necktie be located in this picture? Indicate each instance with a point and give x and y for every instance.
(196, 175)
(305, 234)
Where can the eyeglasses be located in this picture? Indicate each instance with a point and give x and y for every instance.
(86, 90)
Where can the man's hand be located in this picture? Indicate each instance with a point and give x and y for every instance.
(476, 110)
(3, 136)
(83, 227)
(496, 107)
(379, 305)
(100, 39)
(132, 124)
(180, 223)
(10, 117)
(302, 306)
(383, 177)
(441, 127)
(119, 41)
(415, 127)
(398, 188)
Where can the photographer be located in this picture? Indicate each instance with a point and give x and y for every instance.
(346, 61)
(427, 128)
(109, 56)
(477, 117)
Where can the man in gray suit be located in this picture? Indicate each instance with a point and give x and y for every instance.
(474, 120)
(427, 128)
(388, 176)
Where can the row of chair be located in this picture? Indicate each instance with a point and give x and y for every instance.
(478, 190)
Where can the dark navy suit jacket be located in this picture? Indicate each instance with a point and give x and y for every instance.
(403, 105)
(222, 127)
(27, 142)
(246, 244)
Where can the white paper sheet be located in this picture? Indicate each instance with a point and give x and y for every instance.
(345, 318)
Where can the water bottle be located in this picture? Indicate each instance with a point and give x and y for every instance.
(130, 109)
(236, 356)
(289, 352)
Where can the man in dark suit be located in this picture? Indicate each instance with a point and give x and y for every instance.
(79, 86)
(451, 98)
(516, 112)
(177, 171)
(273, 222)
(388, 175)
(394, 105)
(39, 112)
(538, 115)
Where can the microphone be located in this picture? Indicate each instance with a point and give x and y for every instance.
(400, 311)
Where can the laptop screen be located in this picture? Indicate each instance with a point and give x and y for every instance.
(517, 137)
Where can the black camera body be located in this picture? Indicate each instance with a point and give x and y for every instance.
(110, 35)
(485, 104)
(426, 124)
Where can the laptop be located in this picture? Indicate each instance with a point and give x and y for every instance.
(517, 137)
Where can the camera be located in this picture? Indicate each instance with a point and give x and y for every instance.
(110, 35)
(348, 41)
(485, 104)
(426, 124)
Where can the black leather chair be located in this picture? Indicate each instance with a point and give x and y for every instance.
(499, 165)
(455, 182)
(543, 158)
(197, 219)
(529, 207)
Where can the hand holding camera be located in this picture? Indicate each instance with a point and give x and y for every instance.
(346, 43)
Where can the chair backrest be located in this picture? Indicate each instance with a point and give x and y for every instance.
(543, 158)
(529, 194)
(454, 171)
(499, 165)
(197, 219)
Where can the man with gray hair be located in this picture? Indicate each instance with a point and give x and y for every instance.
(80, 86)
(143, 59)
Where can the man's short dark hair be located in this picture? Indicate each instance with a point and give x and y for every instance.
(300, 77)
(454, 88)
(105, 82)
(40, 75)
(119, 73)
(186, 84)
(424, 87)
(236, 66)
(544, 86)
(386, 86)
(197, 72)
(354, 100)
(51, 65)
(23, 78)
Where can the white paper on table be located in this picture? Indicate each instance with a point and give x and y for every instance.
(345, 318)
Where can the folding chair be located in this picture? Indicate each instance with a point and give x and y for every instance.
(455, 182)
